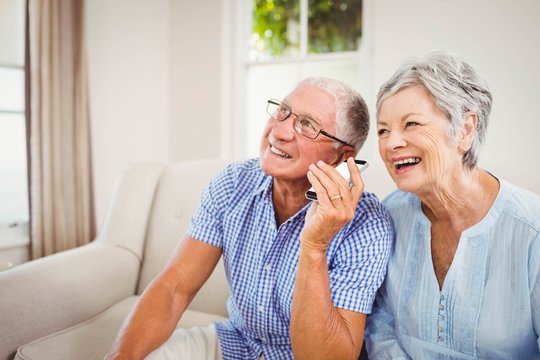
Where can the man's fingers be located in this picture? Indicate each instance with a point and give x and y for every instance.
(333, 185)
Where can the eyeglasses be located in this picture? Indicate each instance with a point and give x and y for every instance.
(304, 125)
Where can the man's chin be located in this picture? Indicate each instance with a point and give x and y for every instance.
(272, 168)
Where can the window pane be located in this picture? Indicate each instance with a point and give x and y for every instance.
(276, 29)
(348, 72)
(12, 13)
(265, 82)
(13, 181)
(334, 25)
(11, 89)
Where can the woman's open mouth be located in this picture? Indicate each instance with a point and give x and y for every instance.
(406, 163)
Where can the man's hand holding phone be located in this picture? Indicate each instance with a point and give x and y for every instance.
(343, 170)
(336, 198)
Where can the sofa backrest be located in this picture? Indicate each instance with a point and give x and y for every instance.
(176, 198)
(126, 219)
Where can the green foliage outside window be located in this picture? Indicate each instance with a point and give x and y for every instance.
(333, 26)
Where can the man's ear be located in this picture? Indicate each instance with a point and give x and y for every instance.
(345, 152)
(468, 131)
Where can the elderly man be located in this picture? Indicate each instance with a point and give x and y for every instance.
(302, 275)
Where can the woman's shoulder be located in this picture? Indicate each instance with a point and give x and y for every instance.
(521, 203)
(400, 199)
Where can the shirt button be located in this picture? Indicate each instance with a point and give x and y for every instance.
(261, 308)
(440, 328)
(263, 339)
(441, 307)
(268, 267)
(440, 338)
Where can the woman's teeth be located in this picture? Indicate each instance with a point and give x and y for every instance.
(404, 162)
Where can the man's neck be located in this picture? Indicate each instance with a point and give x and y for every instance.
(288, 198)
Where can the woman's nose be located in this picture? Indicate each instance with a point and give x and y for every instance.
(395, 140)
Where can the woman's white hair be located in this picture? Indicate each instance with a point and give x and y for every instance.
(456, 88)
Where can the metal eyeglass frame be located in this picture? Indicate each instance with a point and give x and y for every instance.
(290, 112)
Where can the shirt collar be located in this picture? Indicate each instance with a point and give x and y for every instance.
(264, 190)
(265, 186)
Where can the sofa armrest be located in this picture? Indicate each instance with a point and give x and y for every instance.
(46, 295)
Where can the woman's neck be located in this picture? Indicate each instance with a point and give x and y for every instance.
(461, 201)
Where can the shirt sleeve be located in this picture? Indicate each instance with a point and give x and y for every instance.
(534, 280)
(207, 222)
(381, 340)
(360, 263)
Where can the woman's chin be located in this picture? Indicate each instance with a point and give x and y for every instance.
(406, 186)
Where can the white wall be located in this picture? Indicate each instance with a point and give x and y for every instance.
(155, 84)
(195, 79)
(128, 64)
(162, 74)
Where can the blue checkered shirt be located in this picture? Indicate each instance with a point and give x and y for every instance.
(237, 215)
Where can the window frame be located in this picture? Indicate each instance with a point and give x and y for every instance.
(16, 233)
(237, 28)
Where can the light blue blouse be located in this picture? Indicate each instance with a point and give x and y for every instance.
(489, 306)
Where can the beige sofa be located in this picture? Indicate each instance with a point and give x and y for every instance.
(70, 305)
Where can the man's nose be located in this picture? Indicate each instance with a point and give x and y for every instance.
(284, 130)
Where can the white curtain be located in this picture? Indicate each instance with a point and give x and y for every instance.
(60, 172)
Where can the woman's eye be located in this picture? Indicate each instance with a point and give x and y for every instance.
(381, 132)
(411, 123)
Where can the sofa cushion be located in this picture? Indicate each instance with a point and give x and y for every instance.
(127, 215)
(176, 199)
(92, 339)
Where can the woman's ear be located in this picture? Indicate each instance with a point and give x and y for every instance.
(468, 131)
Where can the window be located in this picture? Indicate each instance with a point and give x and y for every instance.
(13, 164)
(292, 40)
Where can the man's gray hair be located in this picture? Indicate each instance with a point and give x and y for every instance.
(456, 89)
(352, 116)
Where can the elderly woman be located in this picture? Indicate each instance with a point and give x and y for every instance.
(463, 278)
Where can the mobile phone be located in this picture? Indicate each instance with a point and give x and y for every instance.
(343, 170)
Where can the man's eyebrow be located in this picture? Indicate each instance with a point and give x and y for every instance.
(311, 117)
